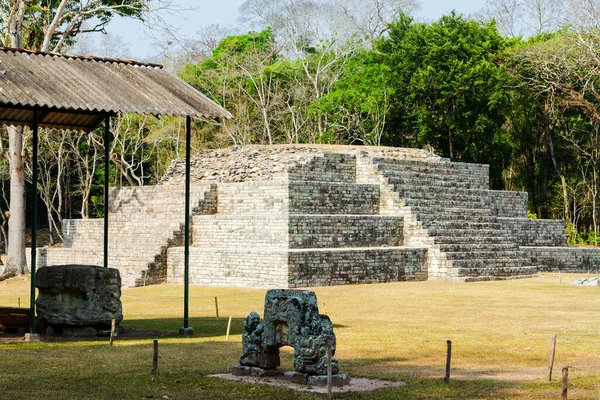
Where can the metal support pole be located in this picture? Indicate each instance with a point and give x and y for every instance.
(188, 134)
(106, 176)
(34, 216)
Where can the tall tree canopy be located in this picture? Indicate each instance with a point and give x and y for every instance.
(448, 92)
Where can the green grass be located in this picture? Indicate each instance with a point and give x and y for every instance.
(500, 332)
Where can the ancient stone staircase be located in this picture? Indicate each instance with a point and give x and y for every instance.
(450, 200)
(315, 226)
(296, 216)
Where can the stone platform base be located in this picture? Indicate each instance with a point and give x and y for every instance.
(338, 380)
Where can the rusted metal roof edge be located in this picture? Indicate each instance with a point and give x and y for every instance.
(81, 57)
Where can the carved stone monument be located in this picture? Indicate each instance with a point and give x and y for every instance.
(79, 299)
(291, 318)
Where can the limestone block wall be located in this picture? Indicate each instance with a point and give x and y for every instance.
(240, 231)
(230, 267)
(143, 222)
(565, 259)
(83, 232)
(328, 167)
(296, 231)
(64, 256)
(242, 198)
(333, 198)
(536, 232)
(507, 204)
(343, 267)
(335, 231)
(298, 268)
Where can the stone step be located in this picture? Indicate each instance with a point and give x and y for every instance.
(440, 192)
(408, 178)
(485, 255)
(493, 273)
(449, 169)
(442, 204)
(468, 233)
(477, 247)
(487, 278)
(436, 220)
(455, 227)
(441, 211)
(474, 238)
(445, 164)
(488, 263)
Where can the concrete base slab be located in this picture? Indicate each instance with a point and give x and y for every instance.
(186, 331)
(355, 384)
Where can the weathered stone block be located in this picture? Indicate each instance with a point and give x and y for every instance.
(79, 296)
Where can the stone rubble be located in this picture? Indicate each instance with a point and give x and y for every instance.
(586, 282)
(252, 163)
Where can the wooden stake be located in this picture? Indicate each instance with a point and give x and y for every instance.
(217, 306)
(155, 358)
(565, 382)
(228, 328)
(448, 360)
(112, 331)
(329, 357)
(551, 361)
(19, 302)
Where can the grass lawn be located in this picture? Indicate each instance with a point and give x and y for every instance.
(500, 332)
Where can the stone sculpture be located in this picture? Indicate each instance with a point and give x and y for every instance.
(291, 318)
(78, 296)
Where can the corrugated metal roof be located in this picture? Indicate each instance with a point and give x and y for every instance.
(75, 92)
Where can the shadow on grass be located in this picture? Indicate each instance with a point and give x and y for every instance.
(203, 327)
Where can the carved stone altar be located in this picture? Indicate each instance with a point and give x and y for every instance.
(78, 298)
(291, 318)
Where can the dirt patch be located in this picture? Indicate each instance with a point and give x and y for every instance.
(355, 385)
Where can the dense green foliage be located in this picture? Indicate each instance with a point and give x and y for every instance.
(449, 94)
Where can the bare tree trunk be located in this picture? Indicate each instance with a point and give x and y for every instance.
(17, 263)
(563, 181)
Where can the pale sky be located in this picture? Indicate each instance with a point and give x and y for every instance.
(224, 12)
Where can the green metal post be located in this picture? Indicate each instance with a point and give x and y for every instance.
(106, 176)
(34, 216)
(186, 251)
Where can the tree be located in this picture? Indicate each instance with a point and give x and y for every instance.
(49, 26)
(242, 75)
(358, 104)
(448, 92)
(564, 73)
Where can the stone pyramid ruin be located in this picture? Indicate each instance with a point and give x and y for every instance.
(298, 216)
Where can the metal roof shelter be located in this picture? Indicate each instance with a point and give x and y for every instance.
(73, 92)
